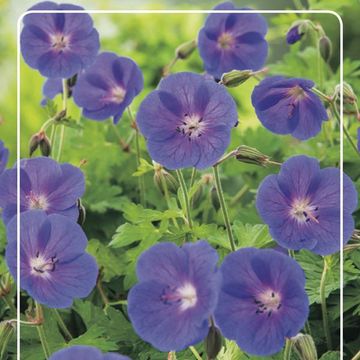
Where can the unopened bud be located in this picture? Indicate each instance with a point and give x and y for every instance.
(82, 213)
(7, 329)
(348, 93)
(296, 31)
(163, 178)
(235, 77)
(213, 342)
(34, 143)
(325, 48)
(60, 115)
(249, 155)
(45, 146)
(304, 347)
(185, 49)
(214, 197)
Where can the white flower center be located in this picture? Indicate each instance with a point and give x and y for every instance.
(192, 126)
(60, 42)
(185, 296)
(41, 266)
(37, 201)
(225, 41)
(303, 211)
(268, 302)
(117, 95)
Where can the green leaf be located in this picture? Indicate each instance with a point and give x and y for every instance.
(70, 123)
(95, 336)
(143, 168)
(331, 355)
(110, 260)
(252, 235)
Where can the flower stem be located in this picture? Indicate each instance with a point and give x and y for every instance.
(239, 194)
(9, 303)
(186, 197)
(337, 116)
(223, 206)
(195, 353)
(357, 356)
(324, 307)
(138, 157)
(62, 129)
(62, 325)
(287, 351)
(167, 198)
(41, 332)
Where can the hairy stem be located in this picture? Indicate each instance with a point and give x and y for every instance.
(41, 332)
(287, 351)
(186, 197)
(138, 157)
(195, 353)
(62, 129)
(62, 325)
(324, 307)
(223, 206)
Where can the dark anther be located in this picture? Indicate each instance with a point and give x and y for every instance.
(38, 270)
(272, 294)
(279, 306)
(178, 129)
(37, 254)
(257, 301)
(316, 209)
(317, 217)
(200, 120)
(308, 219)
(305, 213)
(199, 135)
(269, 314)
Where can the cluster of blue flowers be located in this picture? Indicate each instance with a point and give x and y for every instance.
(256, 297)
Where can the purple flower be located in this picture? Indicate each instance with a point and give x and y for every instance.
(233, 41)
(262, 300)
(54, 267)
(59, 45)
(51, 88)
(44, 184)
(294, 35)
(4, 156)
(107, 87)
(288, 106)
(301, 205)
(80, 352)
(187, 121)
(176, 294)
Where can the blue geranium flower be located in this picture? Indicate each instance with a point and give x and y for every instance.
(4, 156)
(45, 185)
(55, 269)
(176, 294)
(233, 41)
(187, 121)
(288, 106)
(301, 205)
(107, 87)
(262, 300)
(59, 45)
(85, 353)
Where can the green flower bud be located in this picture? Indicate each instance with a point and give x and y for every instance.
(164, 178)
(185, 49)
(235, 77)
(249, 155)
(7, 329)
(348, 93)
(325, 48)
(304, 347)
(213, 343)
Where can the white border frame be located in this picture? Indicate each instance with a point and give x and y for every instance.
(341, 48)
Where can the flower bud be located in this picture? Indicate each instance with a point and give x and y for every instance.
(296, 31)
(82, 213)
(162, 178)
(249, 155)
(45, 146)
(7, 329)
(348, 93)
(213, 342)
(304, 347)
(34, 144)
(214, 197)
(185, 49)
(325, 48)
(235, 77)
